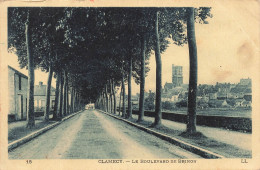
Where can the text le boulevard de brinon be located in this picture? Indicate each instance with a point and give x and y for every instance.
(148, 161)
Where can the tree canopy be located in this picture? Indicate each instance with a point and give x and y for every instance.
(93, 45)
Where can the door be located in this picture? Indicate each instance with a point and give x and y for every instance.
(26, 108)
(20, 107)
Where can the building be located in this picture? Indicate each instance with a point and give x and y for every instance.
(247, 104)
(166, 97)
(17, 95)
(167, 87)
(245, 82)
(240, 102)
(248, 94)
(177, 77)
(213, 96)
(135, 102)
(40, 97)
(215, 103)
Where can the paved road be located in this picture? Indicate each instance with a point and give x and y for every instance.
(94, 135)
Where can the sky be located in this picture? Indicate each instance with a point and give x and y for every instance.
(228, 48)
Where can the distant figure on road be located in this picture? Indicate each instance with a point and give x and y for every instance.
(90, 106)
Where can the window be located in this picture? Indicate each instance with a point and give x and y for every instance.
(52, 104)
(20, 82)
(35, 103)
(43, 103)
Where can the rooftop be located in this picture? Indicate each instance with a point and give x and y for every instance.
(17, 72)
(40, 90)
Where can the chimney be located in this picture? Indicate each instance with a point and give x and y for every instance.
(40, 83)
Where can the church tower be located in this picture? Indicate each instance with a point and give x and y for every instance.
(177, 77)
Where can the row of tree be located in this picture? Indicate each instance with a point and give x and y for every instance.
(153, 29)
(92, 51)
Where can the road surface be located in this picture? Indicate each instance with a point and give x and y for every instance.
(94, 135)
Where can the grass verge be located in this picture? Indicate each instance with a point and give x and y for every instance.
(227, 150)
(21, 131)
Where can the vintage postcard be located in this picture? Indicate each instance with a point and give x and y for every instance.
(95, 84)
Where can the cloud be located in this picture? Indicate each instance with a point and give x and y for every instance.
(221, 75)
(245, 55)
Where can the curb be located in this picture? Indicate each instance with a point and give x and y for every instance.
(192, 148)
(29, 137)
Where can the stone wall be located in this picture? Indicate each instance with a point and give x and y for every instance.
(231, 123)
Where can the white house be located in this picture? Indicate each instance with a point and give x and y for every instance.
(17, 95)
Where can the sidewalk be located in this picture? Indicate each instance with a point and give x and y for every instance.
(17, 129)
(238, 139)
(18, 134)
(230, 144)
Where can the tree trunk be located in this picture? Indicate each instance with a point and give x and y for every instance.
(106, 99)
(56, 105)
(120, 95)
(114, 95)
(158, 102)
(108, 104)
(79, 102)
(48, 94)
(71, 100)
(102, 101)
(142, 81)
(61, 95)
(98, 102)
(129, 114)
(123, 88)
(111, 97)
(65, 94)
(67, 98)
(191, 122)
(76, 102)
(28, 33)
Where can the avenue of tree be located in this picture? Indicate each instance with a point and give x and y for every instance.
(94, 52)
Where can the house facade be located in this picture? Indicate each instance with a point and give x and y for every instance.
(40, 97)
(17, 95)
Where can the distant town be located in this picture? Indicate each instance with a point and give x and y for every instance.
(220, 95)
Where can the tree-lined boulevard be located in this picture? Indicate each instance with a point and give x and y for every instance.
(93, 135)
(91, 51)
